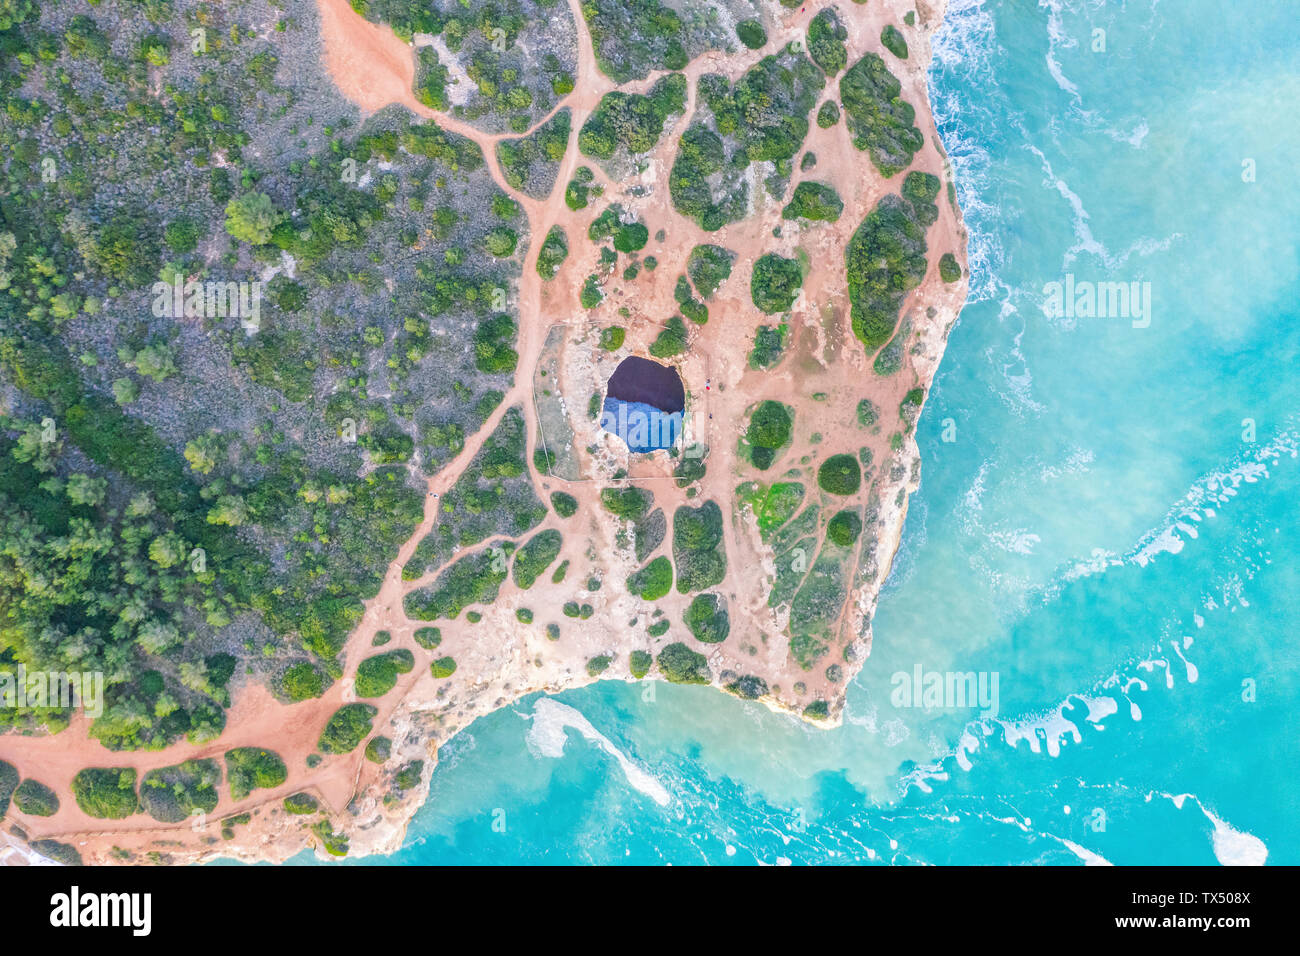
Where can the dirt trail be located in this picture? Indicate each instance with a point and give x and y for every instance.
(374, 68)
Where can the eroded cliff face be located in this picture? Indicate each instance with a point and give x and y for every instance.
(770, 526)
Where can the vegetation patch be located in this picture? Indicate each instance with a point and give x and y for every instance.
(775, 283)
(106, 793)
(707, 618)
(36, 800)
(769, 431)
(681, 665)
(251, 768)
(840, 475)
(639, 663)
(826, 36)
(428, 637)
(708, 267)
(443, 667)
(814, 201)
(653, 581)
(763, 118)
(632, 122)
(554, 250)
(892, 40)
(885, 258)
(531, 164)
(698, 550)
(349, 725)
(880, 120)
(565, 505)
(844, 528)
(473, 579)
(536, 556)
(949, 270)
(377, 675)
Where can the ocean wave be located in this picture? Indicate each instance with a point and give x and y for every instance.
(1232, 847)
(546, 738)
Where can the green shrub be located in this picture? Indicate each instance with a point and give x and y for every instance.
(251, 768)
(173, 794)
(658, 628)
(748, 687)
(536, 556)
(631, 237)
(814, 201)
(63, 853)
(671, 341)
(769, 346)
(697, 547)
(591, 294)
(632, 121)
(844, 528)
(867, 413)
(524, 615)
(775, 283)
(346, 728)
(709, 266)
(949, 270)
(377, 675)
(884, 260)
(554, 250)
(378, 749)
(769, 430)
(827, 116)
(707, 618)
(826, 36)
(577, 195)
(629, 502)
(408, 777)
(35, 799)
(893, 41)
(681, 665)
(106, 793)
(565, 505)
(443, 667)
(840, 475)
(751, 33)
(817, 710)
(598, 665)
(428, 637)
(300, 804)
(611, 338)
(879, 120)
(8, 784)
(653, 581)
(639, 663)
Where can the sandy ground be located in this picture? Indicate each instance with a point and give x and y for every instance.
(499, 658)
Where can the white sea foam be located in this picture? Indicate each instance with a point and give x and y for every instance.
(546, 738)
(1232, 847)
(1087, 856)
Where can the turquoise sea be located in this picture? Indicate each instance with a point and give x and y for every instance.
(1112, 532)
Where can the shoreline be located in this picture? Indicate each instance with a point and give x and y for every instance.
(419, 716)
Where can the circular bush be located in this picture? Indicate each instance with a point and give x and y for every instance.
(840, 475)
(844, 528)
(708, 619)
(36, 799)
(751, 33)
(443, 667)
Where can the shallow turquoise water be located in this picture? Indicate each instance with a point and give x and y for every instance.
(1103, 534)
